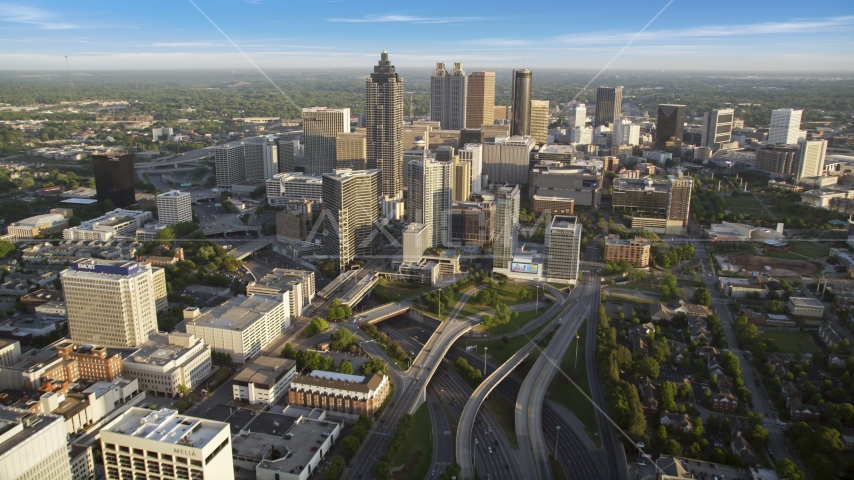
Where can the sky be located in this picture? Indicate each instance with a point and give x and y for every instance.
(724, 35)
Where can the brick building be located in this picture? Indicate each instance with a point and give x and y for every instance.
(634, 251)
(354, 394)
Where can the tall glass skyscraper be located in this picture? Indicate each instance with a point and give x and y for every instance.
(520, 121)
(609, 105)
(448, 93)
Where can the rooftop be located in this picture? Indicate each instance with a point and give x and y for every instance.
(166, 426)
(355, 383)
(40, 220)
(265, 371)
(238, 312)
(282, 278)
(565, 222)
(161, 348)
(17, 425)
(805, 302)
(616, 240)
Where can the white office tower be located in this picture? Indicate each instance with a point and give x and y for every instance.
(785, 126)
(165, 444)
(32, 446)
(563, 245)
(430, 198)
(508, 159)
(448, 97)
(415, 241)
(473, 153)
(811, 155)
(351, 199)
(321, 125)
(625, 133)
(174, 207)
(582, 135)
(260, 159)
(158, 132)
(229, 165)
(717, 128)
(110, 302)
(506, 235)
(577, 115)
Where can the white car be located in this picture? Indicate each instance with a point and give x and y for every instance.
(640, 445)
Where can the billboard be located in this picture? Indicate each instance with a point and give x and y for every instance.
(524, 268)
(118, 268)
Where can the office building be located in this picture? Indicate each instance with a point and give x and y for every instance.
(470, 135)
(500, 113)
(260, 159)
(717, 128)
(416, 239)
(577, 115)
(679, 198)
(297, 285)
(110, 303)
(30, 228)
(562, 248)
(115, 179)
(540, 121)
(506, 235)
(32, 446)
(174, 207)
(430, 198)
(782, 159)
(322, 126)
(265, 381)
(158, 133)
(811, 156)
(87, 361)
(785, 126)
(670, 127)
(520, 121)
(472, 223)
(609, 105)
(351, 200)
(351, 150)
(354, 394)
(287, 150)
(508, 159)
(142, 443)
(448, 93)
(635, 251)
(658, 205)
(461, 175)
(167, 362)
(230, 168)
(473, 154)
(582, 135)
(241, 326)
(10, 352)
(284, 187)
(444, 153)
(625, 133)
(553, 205)
(384, 123)
(574, 182)
(291, 226)
(109, 226)
(480, 102)
(82, 462)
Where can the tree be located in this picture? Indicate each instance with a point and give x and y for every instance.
(661, 435)
(335, 469)
(289, 352)
(671, 447)
(345, 367)
(822, 466)
(317, 325)
(374, 365)
(786, 469)
(637, 275)
(668, 288)
(359, 432)
(702, 297)
(775, 306)
(183, 390)
(350, 445)
(343, 339)
(647, 366)
(6, 247)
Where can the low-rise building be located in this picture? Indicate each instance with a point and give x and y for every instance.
(828, 335)
(241, 326)
(10, 352)
(297, 284)
(680, 422)
(38, 225)
(553, 205)
(724, 401)
(800, 412)
(355, 394)
(806, 307)
(291, 226)
(739, 232)
(164, 443)
(93, 361)
(82, 410)
(109, 226)
(265, 380)
(40, 297)
(166, 362)
(635, 251)
(32, 446)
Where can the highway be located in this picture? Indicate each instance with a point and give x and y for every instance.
(533, 453)
(442, 433)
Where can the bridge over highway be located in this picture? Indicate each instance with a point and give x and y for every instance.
(243, 251)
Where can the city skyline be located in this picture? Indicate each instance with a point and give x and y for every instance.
(45, 32)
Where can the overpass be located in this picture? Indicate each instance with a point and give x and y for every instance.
(340, 280)
(217, 229)
(360, 290)
(243, 251)
(384, 312)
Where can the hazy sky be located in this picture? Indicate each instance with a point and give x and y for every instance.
(687, 35)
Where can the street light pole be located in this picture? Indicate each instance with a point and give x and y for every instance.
(484, 361)
(557, 439)
(474, 456)
(576, 350)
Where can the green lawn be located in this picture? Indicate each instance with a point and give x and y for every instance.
(743, 204)
(505, 413)
(802, 250)
(557, 472)
(565, 393)
(515, 323)
(416, 453)
(499, 352)
(398, 290)
(508, 295)
(792, 342)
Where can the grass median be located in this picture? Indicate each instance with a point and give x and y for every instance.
(416, 453)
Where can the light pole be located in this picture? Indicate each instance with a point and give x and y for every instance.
(484, 361)
(557, 439)
(538, 298)
(474, 456)
(576, 350)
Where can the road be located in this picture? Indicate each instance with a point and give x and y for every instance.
(776, 441)
(443, 450)
(533, 453)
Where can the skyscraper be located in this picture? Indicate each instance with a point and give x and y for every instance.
(480, 102)
(110, 302)
(609, 105)
(625, 133)
(287, 150)
(785, 126)
(670, 127)
(115, 179)
(174, 207)
(717, 127)
(351, 199)
(508, 159)
(520, 101)
(473, 153)
(430, 198)
(384, 123)
(679, 198)
(260, 159)
(562, 248)
(229, 160)
(462, 179)
(577, 115)
(448, 94)
(540, 121)
(351, 150)
(506, 237)
(321, 125)
(811, 155)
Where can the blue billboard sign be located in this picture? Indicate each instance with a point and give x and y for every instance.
(124, 268)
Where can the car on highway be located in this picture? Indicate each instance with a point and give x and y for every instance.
(640, 445)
